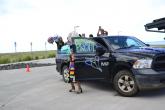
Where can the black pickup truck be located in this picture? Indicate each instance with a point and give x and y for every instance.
(125, 61)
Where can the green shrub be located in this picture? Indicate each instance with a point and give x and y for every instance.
(51, 55)
(13, 60)
(42, 57)
(27, 58)
(36, 57)
(4, 60)
(19, 59)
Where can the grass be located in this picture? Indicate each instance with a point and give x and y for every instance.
(25, 56)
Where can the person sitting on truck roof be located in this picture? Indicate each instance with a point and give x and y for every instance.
(102, 32)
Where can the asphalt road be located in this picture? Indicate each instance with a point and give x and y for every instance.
(43, 89)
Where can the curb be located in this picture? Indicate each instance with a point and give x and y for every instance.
(23, 65)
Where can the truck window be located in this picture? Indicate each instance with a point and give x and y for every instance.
(131, 42)
(100, 41)
(120, 42)
(84, 45)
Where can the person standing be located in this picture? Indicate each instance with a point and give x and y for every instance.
(75, 84)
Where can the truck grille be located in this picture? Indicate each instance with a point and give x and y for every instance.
(159, 62)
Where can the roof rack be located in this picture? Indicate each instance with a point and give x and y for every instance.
(158, 25)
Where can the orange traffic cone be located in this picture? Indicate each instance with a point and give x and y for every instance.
(27, 68)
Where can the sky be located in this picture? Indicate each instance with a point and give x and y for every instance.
(26, 21)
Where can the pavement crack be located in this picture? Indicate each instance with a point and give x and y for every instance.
(2, 106)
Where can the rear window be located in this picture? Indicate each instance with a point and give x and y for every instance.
(84, 46)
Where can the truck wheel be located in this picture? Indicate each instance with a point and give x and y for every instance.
(125, 83)
(65, 74)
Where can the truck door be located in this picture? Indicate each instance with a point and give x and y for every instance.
(88, 65)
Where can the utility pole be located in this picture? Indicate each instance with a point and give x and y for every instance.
(31, 46)
(45, 47)
(15, 45)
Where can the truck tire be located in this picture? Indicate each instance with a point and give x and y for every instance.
(65, 74)
(125, 84)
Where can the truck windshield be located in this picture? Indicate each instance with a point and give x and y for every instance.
(122, 42)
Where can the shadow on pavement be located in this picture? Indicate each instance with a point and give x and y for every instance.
(152, 93)
(108, 87)
(104, 86)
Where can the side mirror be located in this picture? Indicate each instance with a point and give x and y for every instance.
(100, 51)
(147, 45)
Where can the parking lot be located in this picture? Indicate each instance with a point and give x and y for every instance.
(43, 89)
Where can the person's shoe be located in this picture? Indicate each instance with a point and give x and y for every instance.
(71, 90)
(79, 91)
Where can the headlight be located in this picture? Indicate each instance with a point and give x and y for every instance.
(142, 63)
